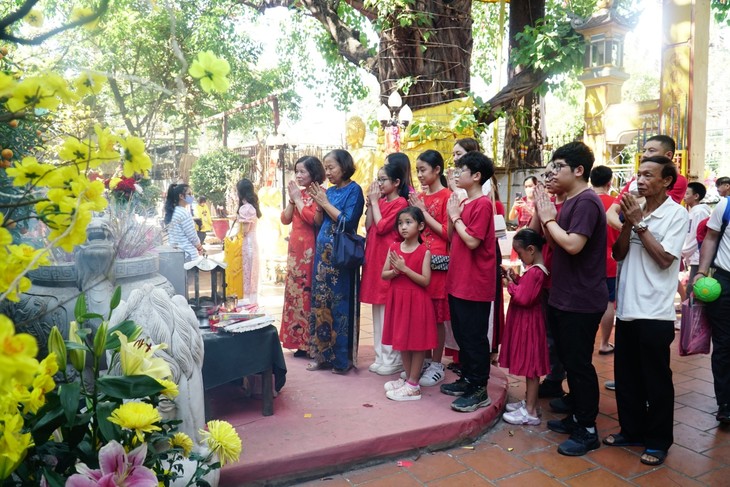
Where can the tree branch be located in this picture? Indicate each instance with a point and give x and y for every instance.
(119, 99)
(325, 11)
(523, 83)
(38, 40)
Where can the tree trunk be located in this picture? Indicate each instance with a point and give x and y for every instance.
(433, 54)
(523, 128)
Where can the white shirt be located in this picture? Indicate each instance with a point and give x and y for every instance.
(715, 223)
(690, 251)
(643, 289)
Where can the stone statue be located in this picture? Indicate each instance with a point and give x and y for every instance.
(95, 267)
(172, 321)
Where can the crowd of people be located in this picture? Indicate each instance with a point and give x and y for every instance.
(433, 276)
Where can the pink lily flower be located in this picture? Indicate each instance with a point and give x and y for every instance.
(117, 469)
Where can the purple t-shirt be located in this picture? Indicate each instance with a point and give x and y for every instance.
(579, 281)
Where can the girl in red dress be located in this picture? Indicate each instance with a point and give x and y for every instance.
(410, 321)
(524, 348)
(432, 202)
(381, 232)
(300, 212)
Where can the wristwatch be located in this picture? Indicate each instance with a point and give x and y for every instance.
(641, 227)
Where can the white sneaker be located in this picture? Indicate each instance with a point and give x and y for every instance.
(434, 374)
(394, 384)
(520, 417)
(405, 393)
(426, 364)
(389, 369)
(514, 406)
(374, 367)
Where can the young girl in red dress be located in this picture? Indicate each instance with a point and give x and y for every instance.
(524, 349)
(386, 197)
(410, 322)
(432, 202)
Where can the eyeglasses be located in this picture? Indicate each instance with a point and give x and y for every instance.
(458, 172)
(555, 167)
(383, 180)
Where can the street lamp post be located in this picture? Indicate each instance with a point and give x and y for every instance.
(394, 118)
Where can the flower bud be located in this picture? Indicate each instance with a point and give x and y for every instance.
(77, 357)
(100, 339)
(57, 346)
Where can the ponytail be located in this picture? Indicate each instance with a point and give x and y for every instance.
(395, 171)
(435, 160)
(173, 196)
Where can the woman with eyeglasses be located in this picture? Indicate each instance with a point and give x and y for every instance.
(179, 222)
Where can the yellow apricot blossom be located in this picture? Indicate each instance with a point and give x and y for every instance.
(43, 91)
(28, 171)
(17, 354)
(212, 72)
(75, 150)
(88, 83)
(34, 18)
(13, 443)
(79, 13)
(105, 141)
(136, 159)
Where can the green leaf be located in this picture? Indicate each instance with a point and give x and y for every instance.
(116, 298)
(53, 479)
(70, 394)
(127, 328)
(109, 431)
(80, 308)
(129, 387)
(89, 316)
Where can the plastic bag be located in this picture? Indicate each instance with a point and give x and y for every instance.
(695, 334)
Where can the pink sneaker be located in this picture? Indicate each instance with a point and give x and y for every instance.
(394, 384)
(405, 393)
(520, 417)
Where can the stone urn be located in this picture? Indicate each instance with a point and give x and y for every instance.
(52, 298)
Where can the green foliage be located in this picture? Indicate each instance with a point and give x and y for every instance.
(488, 38)
(212, 173)
(721, 11)
(552, 46)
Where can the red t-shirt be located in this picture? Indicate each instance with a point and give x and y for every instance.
(373, 289)
(472, 273)
(611, 237)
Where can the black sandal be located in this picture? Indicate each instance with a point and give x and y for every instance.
(658, 455)
(301, 354)
(338, 371)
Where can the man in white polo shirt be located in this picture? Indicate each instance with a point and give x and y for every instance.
(719, 310)
(649, 247)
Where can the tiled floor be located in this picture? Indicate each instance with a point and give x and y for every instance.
(510, 455)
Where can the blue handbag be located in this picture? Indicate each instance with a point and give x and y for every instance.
(348, 249)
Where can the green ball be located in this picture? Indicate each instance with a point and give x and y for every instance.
(707, 289)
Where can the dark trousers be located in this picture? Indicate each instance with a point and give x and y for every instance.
(718, 313)
(643, 376)
(575, 334)
(470, 324)
(557, 371)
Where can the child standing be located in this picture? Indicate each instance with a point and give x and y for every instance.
(470, 282)
(410, 322)
(380, 222)
(432, 202)
(524, 349)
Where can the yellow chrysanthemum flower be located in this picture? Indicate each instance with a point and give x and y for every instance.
(80, 12)
(223, 440)
(136, 159)
(34, 18)
(182, 441)
(88, 83)
(28, 171)
(13, 443)
(139, 417)
(170, 388)
(137, 358)
(212, 72)
(17, 353)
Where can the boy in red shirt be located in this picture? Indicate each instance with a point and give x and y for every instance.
(470, 282)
